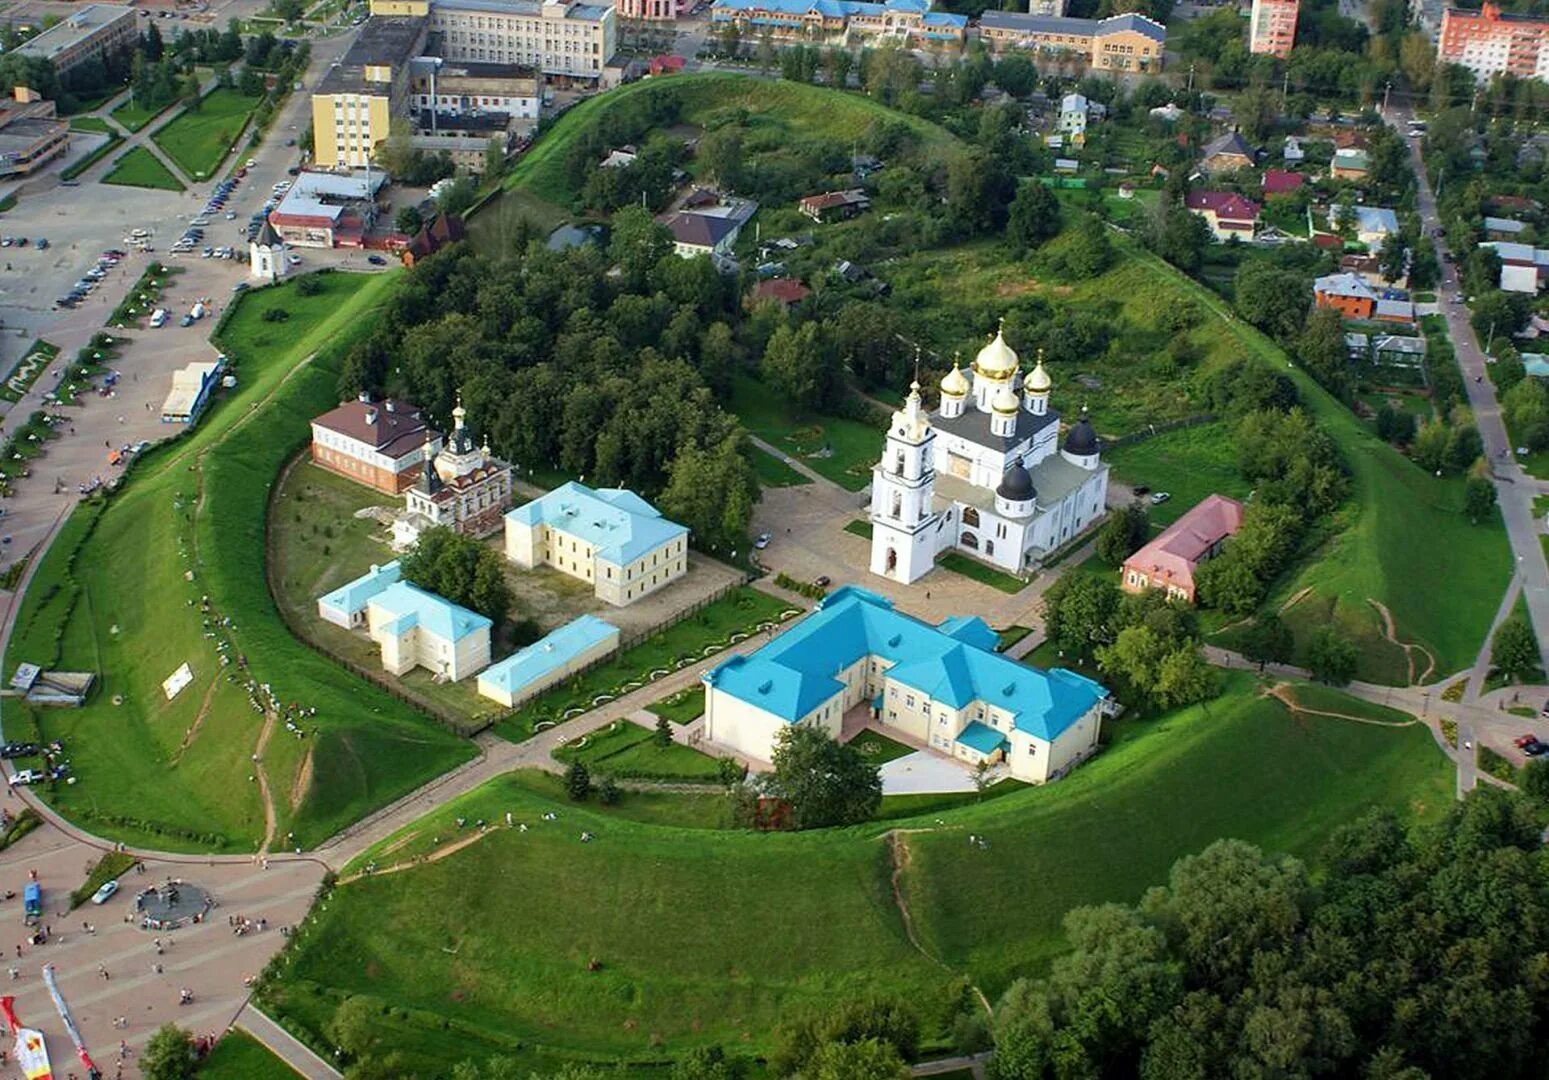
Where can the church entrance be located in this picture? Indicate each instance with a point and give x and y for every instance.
(970, 541)
(892, 560)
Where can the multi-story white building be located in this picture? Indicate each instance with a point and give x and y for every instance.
(566, 39)
(414, 628)
(1494, 42)
(991, 480)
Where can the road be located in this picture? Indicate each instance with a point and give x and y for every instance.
(1515, 489)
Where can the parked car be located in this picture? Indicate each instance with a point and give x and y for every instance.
(104, 894)
(1159, 497)
(27, 776)
(42, 243)
(762, 541)
(376, 260)
(1536, 749)
(823, 582)
(186, 320)
(18, 749)
(1523, 740)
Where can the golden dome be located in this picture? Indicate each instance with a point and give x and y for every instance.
(955, 383)
(1038, 379)
(997, 360)
(1005, 400)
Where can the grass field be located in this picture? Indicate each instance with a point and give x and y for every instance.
(239, 1056)
(93, 124)
(772, 472)
(26, 371)
(133, 117)
(878, 748)
(826, 926)
(839, 449)
(141, 168)
(628, 751)
(199, 141)
(119, 593)
(1188, 464)
(682, 707)
(959, 563)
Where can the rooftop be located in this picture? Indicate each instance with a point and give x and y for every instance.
(1503, 225)
(327, 195)
(548, 654)
(1230, 143)
(1279, 181)
(619, 524)
(527, 9)
(1224, 204)
(699, 230)
(954, 663)
(1171, 557)
(76, 28)
(409, 607)
(843, 9)
(1351, 158)
(390, 427)
(384, 41)
(1022, 22)
(351, 597)
(1344, 284)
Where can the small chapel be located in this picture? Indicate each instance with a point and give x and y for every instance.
(464, 487)
(986, 474)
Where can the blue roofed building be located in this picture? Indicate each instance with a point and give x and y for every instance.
(943, 686)
(414, 628)
(609, 537)
(906, 21)
(564, 652)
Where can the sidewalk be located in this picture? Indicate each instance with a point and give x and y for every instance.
(284, 1045)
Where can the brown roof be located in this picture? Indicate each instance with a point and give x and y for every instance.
(390, 427)
(1170, 558)
(786, 290)
(445, 229)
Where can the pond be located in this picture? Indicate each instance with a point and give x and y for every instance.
(569, 236)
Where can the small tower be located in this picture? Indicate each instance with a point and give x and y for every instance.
(459, 456)
(266, 255)
(903, 487)
(1036, 388)
(1081, 445)
(1003, 412)
(994, 367)
(954, 392)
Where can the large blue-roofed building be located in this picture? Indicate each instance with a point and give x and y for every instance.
(944, 686)
(573, 647)
(909, 21)
(610, 537)
(414, 628)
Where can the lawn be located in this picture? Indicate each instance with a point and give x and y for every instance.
(772, 472)
(1188, 464)
(199, 141)
(627, 751)
(32, 364)
(878, 748)
(839, 449)
(682, 707)
(826, 927)
(959, 563)
(133, 117)
(725, 622)
(239, 1056)
(141, 168)
(121, 590)
(859, 527)
(94, 124)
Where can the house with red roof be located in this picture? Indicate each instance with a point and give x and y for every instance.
(1281, 182)
(1227, 213)
(1169, 561)
(787, 292)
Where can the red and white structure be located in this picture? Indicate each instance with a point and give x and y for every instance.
(1492, 42)
(1272, 27)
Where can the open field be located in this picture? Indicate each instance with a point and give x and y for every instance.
(199, 141)
(121, 591)
(826, 926)
(141, 168)
(772, 472)
(1188, 464)
(133, 117)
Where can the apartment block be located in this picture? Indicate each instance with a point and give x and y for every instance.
(1272, 27)
(1493, 42)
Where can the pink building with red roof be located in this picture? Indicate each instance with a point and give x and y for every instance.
(1168, 562)
(1227, 213)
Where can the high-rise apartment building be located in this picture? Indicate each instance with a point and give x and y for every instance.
(1272, 27)
(1492, 42)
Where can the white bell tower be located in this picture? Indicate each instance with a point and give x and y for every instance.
(903, 486)
(266, 255)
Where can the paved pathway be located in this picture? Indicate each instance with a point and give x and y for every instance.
(973, 1063)
(284, 1045)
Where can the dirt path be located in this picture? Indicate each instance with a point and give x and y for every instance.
(1286, 695)
(1294, 600)
(898, 855)
(193, 729)
(435, 856)
(271, 820)
(303, 782)
(1389, 632)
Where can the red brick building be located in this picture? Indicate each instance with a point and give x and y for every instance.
(381, 444)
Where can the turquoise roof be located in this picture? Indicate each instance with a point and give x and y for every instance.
(548, 654)
(619, 524)
(410, 607)
(351, 598)
(954, 663)
(982, 737)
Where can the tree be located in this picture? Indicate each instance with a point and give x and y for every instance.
(798, 363)
(251, 82)
(856, 1020)
(870, 1059)
(1526, 406)
(457, 196)
(1089, 252)
(1177, 235)
(1331, 656)
(408, 220)
(608, 792)
(578, 781)
(1321, 348)
(1078, 611)
(461, 569)
(823, 782)
(706, 1063)
(494, 159)
(637, 243)
(192, 94)
(1514, 650)
(1535, 781)
(169, 1055)
(1478, 498)
(978, 191)
(1123, 534)
(1268, 641)
(1273, 299)
(720, 153)
(1033, 218)
(712, 492)
(663, 734)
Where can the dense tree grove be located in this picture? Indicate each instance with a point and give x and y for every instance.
(559, 363)
(1413, 954)
(462, 569)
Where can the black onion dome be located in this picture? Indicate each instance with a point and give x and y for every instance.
(1016, 485)
(1081, 439)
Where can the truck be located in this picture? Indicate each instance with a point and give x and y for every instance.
(32, 901)
(158, 318)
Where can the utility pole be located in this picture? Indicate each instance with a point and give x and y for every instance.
(1285, 90)
(1191, 76)
(1386, 90)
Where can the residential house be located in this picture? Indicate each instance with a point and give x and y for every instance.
(1395, 310)
(1346, 293)
(1168, 562)
(943, 687)
(1498, 228)
(442, 231)
(414, 628)
(1293, 153)
(1373, 224)
(1128, 42)
(1369, 268)
(553, 658)
(1398, 350)
(1349, 164)
(609, 537)
(1358, 347)
(695, 234)
(1227, 213)
(381, 444)
(1281, 182)
(1227, 153)
(1075, 112)
(787, 292)
(1523, 266)
(835, 205)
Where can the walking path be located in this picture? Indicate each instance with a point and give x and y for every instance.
(283, 1045)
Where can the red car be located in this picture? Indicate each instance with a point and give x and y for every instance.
(1524, 740)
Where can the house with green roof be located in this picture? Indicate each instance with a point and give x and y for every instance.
(942, 687)
(609, 537)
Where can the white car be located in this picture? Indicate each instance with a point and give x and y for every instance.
(1159, 497)
(27, 776)
(104, 894)
(295, 260)
(762, 541)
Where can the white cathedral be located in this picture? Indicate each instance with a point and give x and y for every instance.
(984, 474)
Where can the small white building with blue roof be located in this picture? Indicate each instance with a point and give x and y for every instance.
(564, 652)
(609, 537)
(943, 686)
(414, 628)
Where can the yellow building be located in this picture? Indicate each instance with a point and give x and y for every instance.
(354, 103)
(1126, 42)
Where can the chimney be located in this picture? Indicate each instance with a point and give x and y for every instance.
(370, 416)
(364, 397)
(388, 405)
